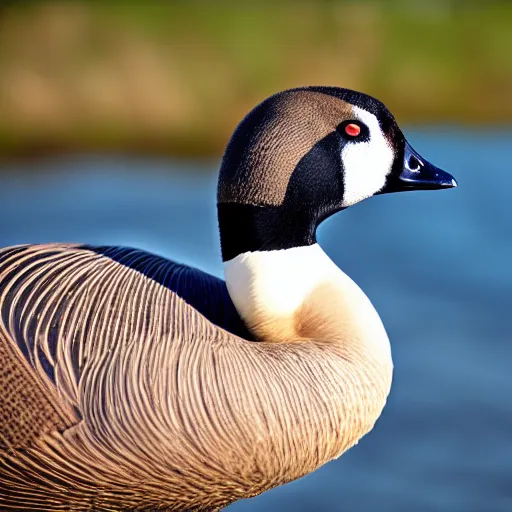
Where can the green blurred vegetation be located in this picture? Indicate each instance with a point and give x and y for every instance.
(176, 77)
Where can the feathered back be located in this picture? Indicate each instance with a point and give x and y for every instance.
(122, 388)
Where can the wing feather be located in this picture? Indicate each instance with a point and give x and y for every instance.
(63, 307)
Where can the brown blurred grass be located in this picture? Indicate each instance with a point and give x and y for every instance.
(176, 77)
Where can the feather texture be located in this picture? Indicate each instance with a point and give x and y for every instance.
(129, 382)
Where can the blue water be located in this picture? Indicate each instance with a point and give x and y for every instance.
(437, 266)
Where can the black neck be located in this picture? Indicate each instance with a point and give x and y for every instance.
(245, 228)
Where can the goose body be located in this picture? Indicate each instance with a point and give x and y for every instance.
(130, 382)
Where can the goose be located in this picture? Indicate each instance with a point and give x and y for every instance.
(131, 382)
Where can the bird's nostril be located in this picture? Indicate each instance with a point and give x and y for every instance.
(414, 163)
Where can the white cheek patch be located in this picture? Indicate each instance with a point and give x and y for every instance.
(366, 164)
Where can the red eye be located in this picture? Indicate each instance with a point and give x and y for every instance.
(352, 129)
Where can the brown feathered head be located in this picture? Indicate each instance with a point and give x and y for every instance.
(304, 154)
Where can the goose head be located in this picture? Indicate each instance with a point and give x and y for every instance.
(304, 154)
(299, 157)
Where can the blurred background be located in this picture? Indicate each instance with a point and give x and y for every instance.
(113, 118)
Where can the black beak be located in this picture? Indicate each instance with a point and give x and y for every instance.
(417, 174)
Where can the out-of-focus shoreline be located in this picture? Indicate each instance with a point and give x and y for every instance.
(175, 78)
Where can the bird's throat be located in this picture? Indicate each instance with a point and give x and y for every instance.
(300, 294)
